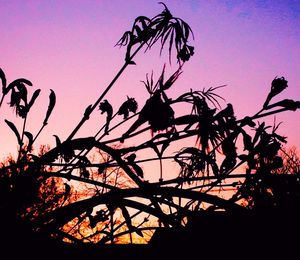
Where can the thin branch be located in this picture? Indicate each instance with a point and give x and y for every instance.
(84, 119)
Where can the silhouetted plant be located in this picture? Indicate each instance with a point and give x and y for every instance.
(95, 189)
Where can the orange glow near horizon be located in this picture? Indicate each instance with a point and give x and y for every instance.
(69, 47)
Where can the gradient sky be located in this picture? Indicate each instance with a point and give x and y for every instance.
(68, 46)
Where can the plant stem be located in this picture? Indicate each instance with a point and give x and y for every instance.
(22, 138)
(2, 100)
(84, 119)
(84, 180)
(38, 133)
(161, 170)
(271, 113)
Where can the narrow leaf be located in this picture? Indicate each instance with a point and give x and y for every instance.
(3, 79)
(58, 142)
(127, 217)
(286, 103)
(30, 139)
(33, 98)
(138, 170)
(52, 101)
(15, 130)
(18, 82)
(139, 232)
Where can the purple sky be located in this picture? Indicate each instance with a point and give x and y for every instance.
(68, 46)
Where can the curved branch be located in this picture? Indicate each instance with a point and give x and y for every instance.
(85, 180)
(60, 216)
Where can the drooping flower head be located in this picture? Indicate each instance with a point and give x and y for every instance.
(164, 27)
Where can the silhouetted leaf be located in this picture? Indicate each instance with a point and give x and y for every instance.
(280, 138)
(138, 170)
(52, 101)
(33, 98)
(131, 62)
(30, 139)
(149, 83)
(17, 82)
(138, 30)
(15, 130)
(171, 80)
(160, 80)
(3, 79)
(139, 232)
(286, 103)
(165, 37)
(57, 140)
(127, 218)
(125, 39)
(212, 96)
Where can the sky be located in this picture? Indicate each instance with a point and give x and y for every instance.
(69, 46)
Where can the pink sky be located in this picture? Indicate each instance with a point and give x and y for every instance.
(68, 46)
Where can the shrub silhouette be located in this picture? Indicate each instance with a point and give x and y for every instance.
(91, 190)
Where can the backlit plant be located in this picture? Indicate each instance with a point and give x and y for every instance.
(94, 189)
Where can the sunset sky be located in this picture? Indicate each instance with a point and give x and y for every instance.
(68, 46)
